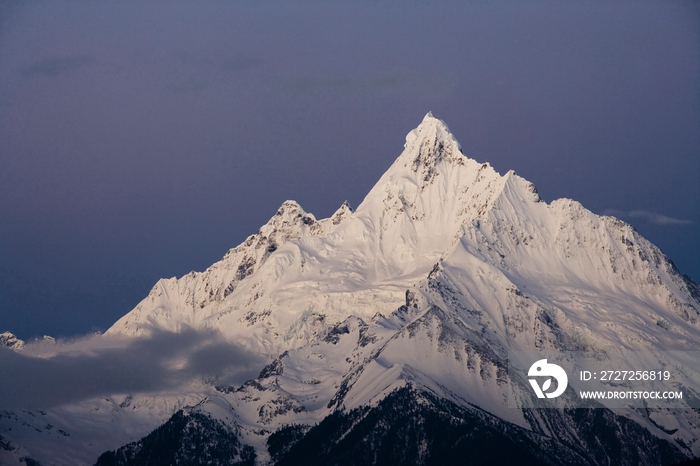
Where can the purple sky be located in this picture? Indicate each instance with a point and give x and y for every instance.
(141, 140)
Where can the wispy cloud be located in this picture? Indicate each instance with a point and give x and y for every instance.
(651, 217)
(46, 374)
(658, 219)
(52, 67)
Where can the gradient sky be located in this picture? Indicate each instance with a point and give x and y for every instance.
(141, 140)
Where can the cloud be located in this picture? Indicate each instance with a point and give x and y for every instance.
(52, 67)
(658, 219)
(45, 374)
(651, 217)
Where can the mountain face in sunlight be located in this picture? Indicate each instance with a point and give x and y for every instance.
(382, 334)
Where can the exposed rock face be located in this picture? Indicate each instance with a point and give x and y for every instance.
(9, 340)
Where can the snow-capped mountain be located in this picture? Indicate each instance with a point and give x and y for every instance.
(10, 340)
(407, 305)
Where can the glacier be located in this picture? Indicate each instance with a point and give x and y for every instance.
(418, 294)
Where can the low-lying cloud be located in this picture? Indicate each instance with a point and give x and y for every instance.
(45, 374)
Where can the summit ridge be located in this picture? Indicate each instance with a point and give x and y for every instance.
(418, 295)
(433, 205)
(361, 260)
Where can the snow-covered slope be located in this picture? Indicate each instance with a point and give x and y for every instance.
(272, 289)
(444, 268)
(279, 288)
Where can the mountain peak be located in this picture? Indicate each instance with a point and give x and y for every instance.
(444, 268)
(429, 145)
(431, 130)
(342, 213)
(10, 341)
(289, 215)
